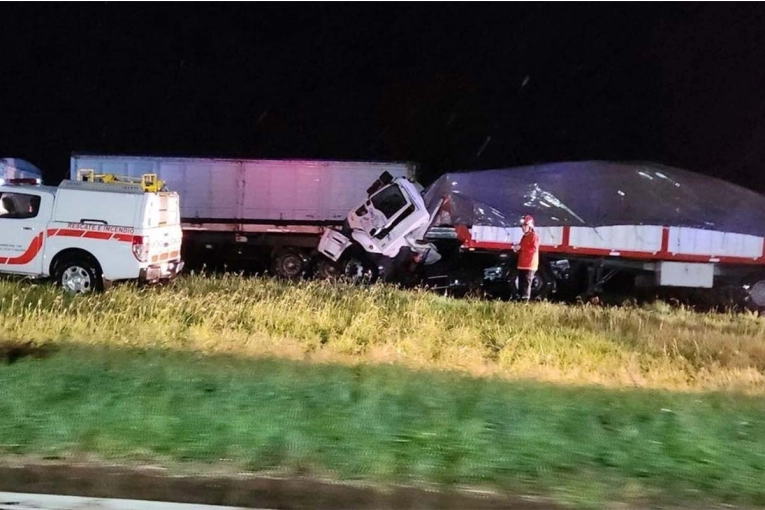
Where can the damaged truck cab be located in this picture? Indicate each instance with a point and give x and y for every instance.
(382, 234)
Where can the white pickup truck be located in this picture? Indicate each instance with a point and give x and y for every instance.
(86, 235)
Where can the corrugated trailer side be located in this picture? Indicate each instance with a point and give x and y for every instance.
(308, 191)
(247, 212)
(231, 190)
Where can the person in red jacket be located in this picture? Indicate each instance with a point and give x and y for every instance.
(528, 257)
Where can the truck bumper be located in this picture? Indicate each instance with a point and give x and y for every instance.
(165, 271)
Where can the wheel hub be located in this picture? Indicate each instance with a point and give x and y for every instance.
(76, 279)
(292, 266)
(354, 269)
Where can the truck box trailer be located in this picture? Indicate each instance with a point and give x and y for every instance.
(251, 212)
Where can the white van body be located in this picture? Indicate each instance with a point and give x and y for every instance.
(88, 234)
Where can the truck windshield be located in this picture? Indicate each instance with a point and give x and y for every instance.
(389, 201)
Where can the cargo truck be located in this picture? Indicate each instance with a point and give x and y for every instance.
(640, 226)
(253, 213)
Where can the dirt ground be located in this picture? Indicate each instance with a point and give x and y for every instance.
(238, 490)
(224, 486)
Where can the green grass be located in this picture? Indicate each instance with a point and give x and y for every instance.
(653, 347)
(385, 424)
(389, 386)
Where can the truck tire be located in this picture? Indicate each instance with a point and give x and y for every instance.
(289, 264)
(350, 267)
(79, 275)
(325, 269)
(358, 270)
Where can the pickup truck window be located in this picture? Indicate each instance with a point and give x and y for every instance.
(19, 206)
(389, 201)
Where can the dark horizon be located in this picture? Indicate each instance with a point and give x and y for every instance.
(451, 88)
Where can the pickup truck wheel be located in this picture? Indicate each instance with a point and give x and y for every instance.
(78, 276)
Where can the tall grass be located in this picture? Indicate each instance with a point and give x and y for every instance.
(381, 424)
(655, 347)
(172, 375)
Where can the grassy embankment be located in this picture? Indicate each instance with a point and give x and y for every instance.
(585, 404)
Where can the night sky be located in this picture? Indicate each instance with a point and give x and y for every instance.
(449, 86)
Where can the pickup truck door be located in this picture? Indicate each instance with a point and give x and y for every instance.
(21, 232)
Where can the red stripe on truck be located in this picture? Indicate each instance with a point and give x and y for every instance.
(641, 255)
(31, 252)
(464, 235)
(90, 234)
(566, 242)
(37, 243)
(125, 238)
(69, 232)
(664, 242)
(98, 235)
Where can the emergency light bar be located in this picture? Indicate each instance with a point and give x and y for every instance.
(24, 180)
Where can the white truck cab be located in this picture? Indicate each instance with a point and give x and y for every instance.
(86, 235)
(393, 217)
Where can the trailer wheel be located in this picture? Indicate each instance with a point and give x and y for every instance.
(78, 275)
(289, 264)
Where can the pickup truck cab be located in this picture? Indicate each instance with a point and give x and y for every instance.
(86, 235)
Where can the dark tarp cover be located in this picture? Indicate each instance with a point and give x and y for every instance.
(596, 193)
